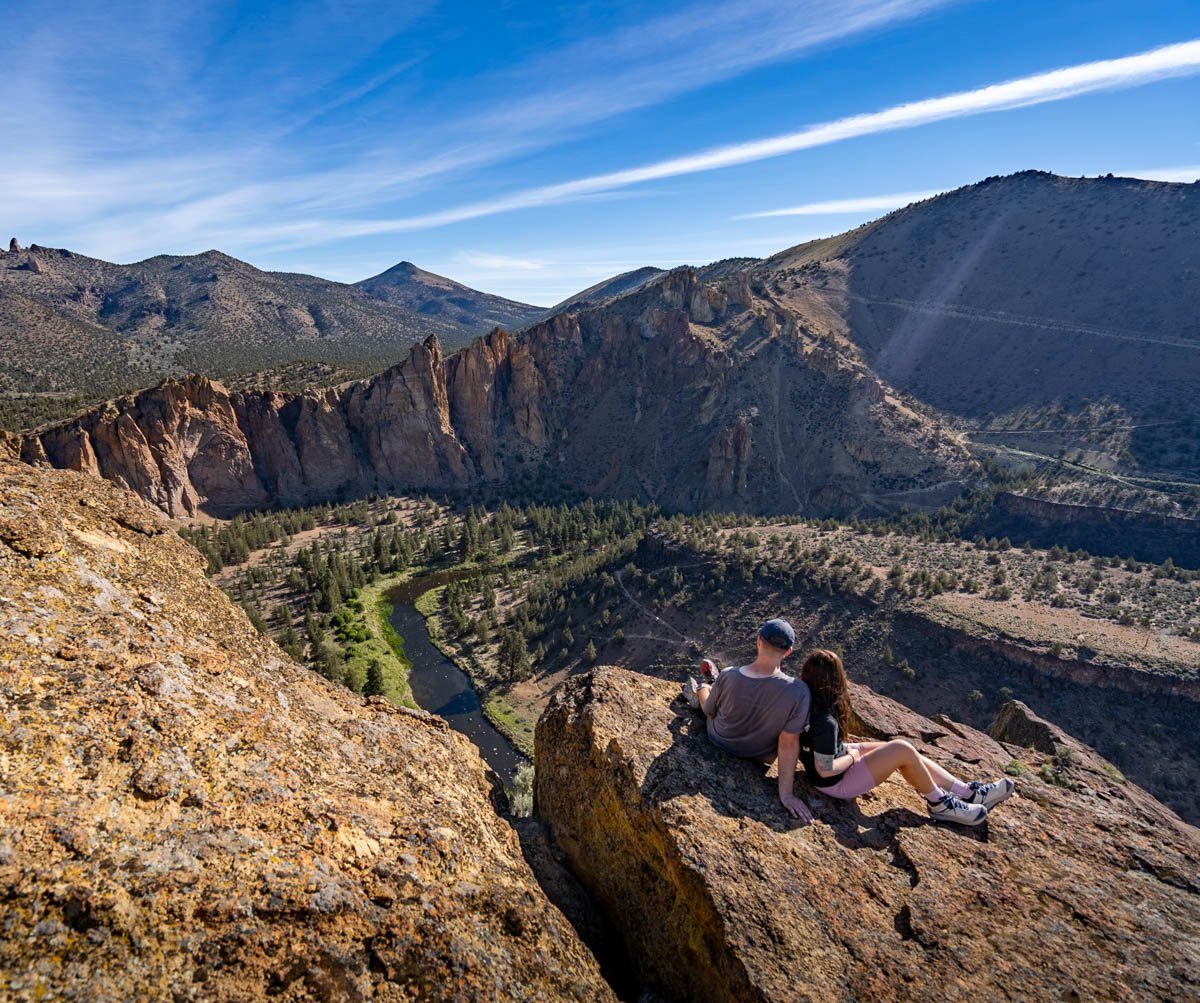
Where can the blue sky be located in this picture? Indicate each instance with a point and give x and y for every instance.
(531, 149)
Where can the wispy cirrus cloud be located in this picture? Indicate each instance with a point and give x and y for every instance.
(1169, 61)
(863, 203)
(1184, 175)
(498, 262)
(272, 138)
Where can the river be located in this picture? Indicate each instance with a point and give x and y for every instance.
(441, 687)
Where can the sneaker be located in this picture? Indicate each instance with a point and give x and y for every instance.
(709, 671)
(990, 795)
(952, 809)
(690, 693)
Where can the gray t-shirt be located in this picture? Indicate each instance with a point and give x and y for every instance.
(746, 714)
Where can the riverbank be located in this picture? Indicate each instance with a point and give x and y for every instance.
(517, 729)
(438, 682)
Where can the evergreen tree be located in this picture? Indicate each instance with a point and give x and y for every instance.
(374, 686)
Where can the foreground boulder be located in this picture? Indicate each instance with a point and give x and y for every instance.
(1081, 886)
(187, 814)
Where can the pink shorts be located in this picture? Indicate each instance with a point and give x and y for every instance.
(855, 781)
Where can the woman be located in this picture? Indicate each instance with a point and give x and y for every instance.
(846, 771)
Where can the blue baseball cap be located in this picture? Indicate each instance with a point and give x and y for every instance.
(778, 633)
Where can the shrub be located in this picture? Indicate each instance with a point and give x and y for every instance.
(520, 794)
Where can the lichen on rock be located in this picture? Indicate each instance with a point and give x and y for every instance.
(187, 814)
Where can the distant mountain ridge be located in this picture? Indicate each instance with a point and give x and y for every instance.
(1044, 325)
(73, 323)
(431, 295)
(695, 394)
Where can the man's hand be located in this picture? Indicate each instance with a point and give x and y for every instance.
(796, 808)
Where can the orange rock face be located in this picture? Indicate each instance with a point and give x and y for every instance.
(187, 814)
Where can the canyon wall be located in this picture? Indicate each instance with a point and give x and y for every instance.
(690, 393)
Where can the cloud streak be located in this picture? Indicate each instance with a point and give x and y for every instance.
(865, 203)
(253, 138)
(1182, 59)
(1184, 175)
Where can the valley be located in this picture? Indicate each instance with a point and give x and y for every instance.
(1107, 648)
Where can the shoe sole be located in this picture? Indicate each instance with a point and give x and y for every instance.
(959, 821)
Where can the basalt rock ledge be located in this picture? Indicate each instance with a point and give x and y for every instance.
(1081, 886)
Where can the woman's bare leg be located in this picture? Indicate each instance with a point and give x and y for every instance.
(887, 757)
(941, 777)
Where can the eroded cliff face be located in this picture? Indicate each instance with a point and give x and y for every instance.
(187, 814)
(1085, 887)
(693, 393)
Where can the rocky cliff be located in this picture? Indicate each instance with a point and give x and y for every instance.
(186, 814)
(1082, 886)
(692, 392)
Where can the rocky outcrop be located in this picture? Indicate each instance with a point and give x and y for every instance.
(686, 392)
(1080, 886)
(187, 814)
(13, 246)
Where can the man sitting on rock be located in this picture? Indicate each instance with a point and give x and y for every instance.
(756, 711)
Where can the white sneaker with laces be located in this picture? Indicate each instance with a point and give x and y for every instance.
(952, 809)
(990, 795)
(691, 690)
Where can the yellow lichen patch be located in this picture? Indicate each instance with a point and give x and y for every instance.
(101, 541)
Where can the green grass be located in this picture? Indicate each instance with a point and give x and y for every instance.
(1113, 772)
(515, 728)
(376, 640)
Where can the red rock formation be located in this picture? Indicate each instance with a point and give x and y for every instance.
(689, 392)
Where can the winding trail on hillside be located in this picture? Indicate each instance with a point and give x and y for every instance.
(1016, 320)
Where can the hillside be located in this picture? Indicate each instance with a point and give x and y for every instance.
(405, 285)
(1058, 314)
(188, 814)
(69, 323)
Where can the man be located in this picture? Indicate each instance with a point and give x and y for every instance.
(755, 711)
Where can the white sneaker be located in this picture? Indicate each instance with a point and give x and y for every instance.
(952, 809)
(691, 690)
(990, 795)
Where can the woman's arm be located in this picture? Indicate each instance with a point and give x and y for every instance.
(826, 741)
(830, 766)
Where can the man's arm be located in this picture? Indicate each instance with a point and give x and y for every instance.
(788, 753)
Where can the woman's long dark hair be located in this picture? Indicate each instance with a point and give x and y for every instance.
(826, 678)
